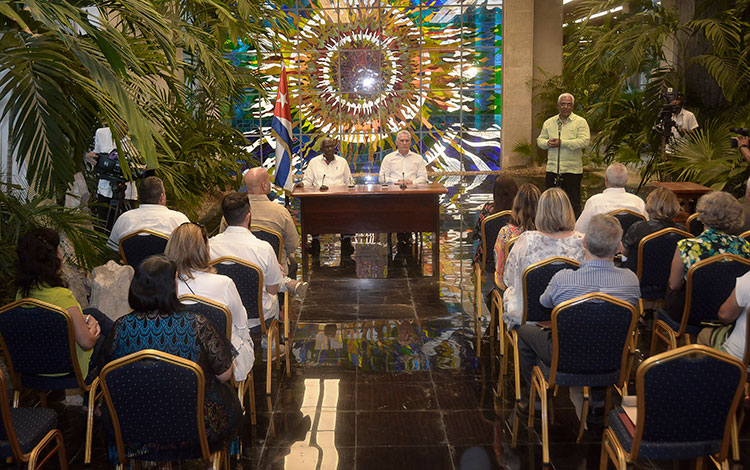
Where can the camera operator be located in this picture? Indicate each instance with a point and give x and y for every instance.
(103, 145)
(684, 120)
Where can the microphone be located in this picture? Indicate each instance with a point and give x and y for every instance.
(559, 134)
(323, 187)
(403, 180)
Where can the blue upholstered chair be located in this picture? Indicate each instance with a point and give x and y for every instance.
(496, 310)
(490, 227)
(658, 248)
(139, 245)
(686, 399)
(626, 217)
(249, 281)
(709, 283)
(273, 238)
(591, 335)
(221, 318)
(25, 325)
(535, 280)
(157, 398)
(26, 432)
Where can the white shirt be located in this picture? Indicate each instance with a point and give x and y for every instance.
(103, 143)
(396, 167)
(241, 243)
(336, 173)
(221, 289)
(607, 201)
(735, 344)
(148, 216)
(683, 120)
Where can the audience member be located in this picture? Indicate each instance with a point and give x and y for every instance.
(403, 165)
(661, 205)
(612, 198)
(152, 214)
(271, 215)
(731, 338)
(39, 276)
(521, 220)
(188, 249)
(503, 192)
(555, 235)
(159, 322)
(564, 137)
(684, 120)
(238, 241)
(597, 273)
(721, 215)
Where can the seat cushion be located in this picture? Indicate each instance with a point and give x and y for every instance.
(689, 329)
(31, 425)
(581, 380)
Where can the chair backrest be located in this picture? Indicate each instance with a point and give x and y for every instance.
(218, 314)
(709, 283)
(249, 281)
(273, 237)
(745, 235)
(155, 398)
(694, 225)
(139, 245)
(25, 325)
(686, 399)
(508, 247)
(626, 217)
(655, 252)
(491, 226)
(535, 280)
(590, 340)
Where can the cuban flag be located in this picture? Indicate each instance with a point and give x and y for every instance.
(281, 129)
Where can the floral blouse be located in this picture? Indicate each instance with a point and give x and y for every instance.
(531, 247)
(505, 234)
(710, 242)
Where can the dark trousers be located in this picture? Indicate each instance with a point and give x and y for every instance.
(571, 184)
(105, 326)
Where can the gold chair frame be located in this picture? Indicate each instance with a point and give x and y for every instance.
(661, 330)
(272, 332)
(243, 386)
(218, 459)
(540, 385)
(511, 339)
(614, 451)
(34, 456)
(140, 232)
(90, 389)
(478, 271)
(258, 228)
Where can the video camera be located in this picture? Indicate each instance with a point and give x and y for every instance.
(741, 131)
(108, 168)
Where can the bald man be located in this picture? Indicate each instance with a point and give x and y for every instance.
(271, 215)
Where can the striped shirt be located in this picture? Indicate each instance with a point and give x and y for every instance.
(593, 275)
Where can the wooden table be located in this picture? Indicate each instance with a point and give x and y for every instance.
(685, 191)
(371, 208)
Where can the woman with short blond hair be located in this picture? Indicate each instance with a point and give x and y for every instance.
(555, 235)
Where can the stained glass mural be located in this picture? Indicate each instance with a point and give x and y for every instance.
(361, 70)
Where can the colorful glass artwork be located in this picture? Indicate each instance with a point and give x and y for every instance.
(359, 71)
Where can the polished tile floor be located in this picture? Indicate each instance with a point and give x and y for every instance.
(385, 373)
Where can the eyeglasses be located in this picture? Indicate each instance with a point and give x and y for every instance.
(202, 227)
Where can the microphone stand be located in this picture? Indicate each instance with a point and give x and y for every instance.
(403, 180)
(323, 187)
(559, 134)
